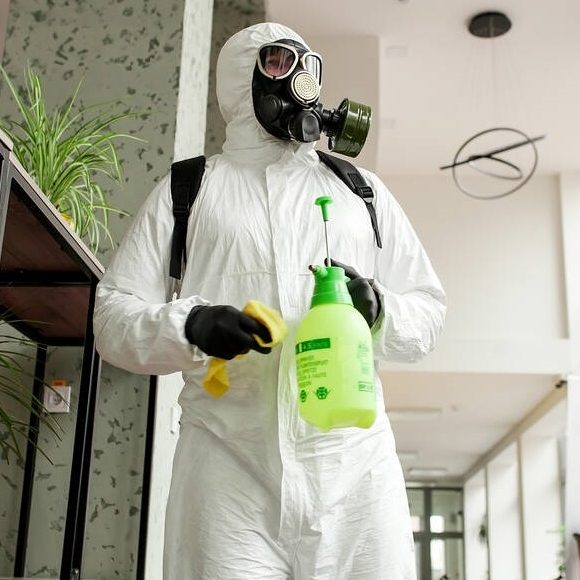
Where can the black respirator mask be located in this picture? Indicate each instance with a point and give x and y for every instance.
(285, 92)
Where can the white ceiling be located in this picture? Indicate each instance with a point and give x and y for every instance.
(439, 84)
(433, 86)
(477, 411)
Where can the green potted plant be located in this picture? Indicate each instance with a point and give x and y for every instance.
(561, 554)
(482, 530)
(68, 152)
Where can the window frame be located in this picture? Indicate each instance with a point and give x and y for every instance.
(425, 536)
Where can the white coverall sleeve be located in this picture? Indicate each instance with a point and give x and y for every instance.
(135, 327)
(413, 303)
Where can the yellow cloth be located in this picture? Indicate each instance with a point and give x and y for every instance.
(216, 381)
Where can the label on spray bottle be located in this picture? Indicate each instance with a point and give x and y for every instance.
(364, 357)
(313, 367)
(315, 344)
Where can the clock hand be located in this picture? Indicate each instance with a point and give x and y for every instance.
(493, 152)
(518, 172)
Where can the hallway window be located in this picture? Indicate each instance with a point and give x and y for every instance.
(437, 518)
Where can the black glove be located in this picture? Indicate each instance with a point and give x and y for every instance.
(364, 298)
(224, 331)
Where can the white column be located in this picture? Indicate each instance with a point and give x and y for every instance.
(570, 211)
(475, 517)
(570, 203)
(505, 549)
(541, 504)
(572, 503)
(193, 79)
(189, 141)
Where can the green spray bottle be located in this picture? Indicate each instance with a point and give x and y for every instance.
(334, 354)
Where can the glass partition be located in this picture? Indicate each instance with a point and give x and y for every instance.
(437, 520)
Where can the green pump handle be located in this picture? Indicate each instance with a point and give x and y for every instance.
(324, 202)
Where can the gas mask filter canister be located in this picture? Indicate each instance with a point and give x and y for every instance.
(285, 92)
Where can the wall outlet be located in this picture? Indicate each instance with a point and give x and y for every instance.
(56, 398)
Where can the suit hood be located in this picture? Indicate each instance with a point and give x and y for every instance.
(246, 140)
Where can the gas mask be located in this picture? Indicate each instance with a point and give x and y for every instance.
(285, 92)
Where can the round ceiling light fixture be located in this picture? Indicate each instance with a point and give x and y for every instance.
(489, 24)
(485, 153)
(498, 161)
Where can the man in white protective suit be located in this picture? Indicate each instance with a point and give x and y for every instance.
(257, 493)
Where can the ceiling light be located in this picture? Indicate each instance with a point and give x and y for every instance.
(503, 158)
(489, 24)
(405, 456)
(414, 414)
(427, 471)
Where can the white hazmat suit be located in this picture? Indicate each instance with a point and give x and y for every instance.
(258, 494)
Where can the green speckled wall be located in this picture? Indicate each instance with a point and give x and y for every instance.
(129, 50)
(123, 49)
(229, 16)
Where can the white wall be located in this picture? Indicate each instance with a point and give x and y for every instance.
(541, 505)
(570, 186)
(522, 486)
(510, 269)
(570, 207)
(475, 515)
(510, 248)
(361, 84)
(501, 263)
(505, 547)
(573, 477)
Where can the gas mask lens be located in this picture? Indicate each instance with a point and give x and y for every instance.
(276, 61)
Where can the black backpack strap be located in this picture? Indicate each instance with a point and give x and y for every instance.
(352, 178)
(186, 178)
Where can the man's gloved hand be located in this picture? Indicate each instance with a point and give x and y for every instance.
(224, 331)
(364, 297)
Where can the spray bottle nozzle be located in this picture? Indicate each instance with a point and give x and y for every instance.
(323, 203)
(318, 271)
(329, 286)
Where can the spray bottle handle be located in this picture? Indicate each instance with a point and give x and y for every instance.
(323, 202)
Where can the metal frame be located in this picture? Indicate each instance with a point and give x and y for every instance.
(78, 492)
(148, 462)
(30, 462)
(14, 180)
